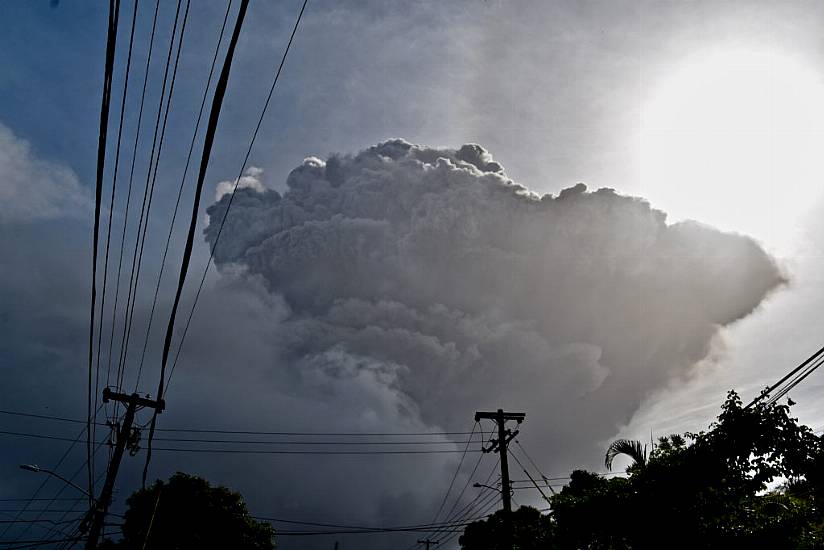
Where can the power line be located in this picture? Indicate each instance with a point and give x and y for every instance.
(126, 215)
(546, 498)
(154, 176)
(797, 379)
(466, 485)
(148, 195)
(241, 442)
(38, 542)
(266, 442)
(454, 476)
(303, 434)
(208, 140)
(483, 513)
(807, 366)
(237, 180)
(529, 458)
(355, 528)
(358, 530)
(186, 167)
(111, 41)
(41, 498)
(111, 208)
(278, 452)
(62, 487)
(55, 467)
(73, 508)
(249, 432)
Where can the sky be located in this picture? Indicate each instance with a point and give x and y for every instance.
(409, 242)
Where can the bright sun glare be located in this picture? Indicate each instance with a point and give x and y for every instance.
(736, 139)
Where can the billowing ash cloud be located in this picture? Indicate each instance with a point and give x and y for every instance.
(430, 272)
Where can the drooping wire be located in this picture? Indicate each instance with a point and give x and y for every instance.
(214, 115)
(237, 180)
(242, 432)
(74, 475)
(57, 465)
(126, 213)
(111, 214)
(185, 172)
(111, 42)
(148, 195)
(46, 480)
(454, 476)
(813, 360)
(534, 483)
(466, 485)
(254, 442)
(479, 511)
(154, 178)
(537, 469)
(797, 379)
(469, 508)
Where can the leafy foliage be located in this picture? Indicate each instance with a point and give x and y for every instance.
(187, 513)
(754, 480)
(531, 531)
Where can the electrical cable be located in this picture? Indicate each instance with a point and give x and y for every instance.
(483, 513)
(815, 356)
(466, 485)
(126, 214)
(355, 527)
(148, 195)
(73, 507)
(154, 176)
(529, 458)
(111, 214)
(454, 476)
(546, 498)
(797, 379)
(246, 432)
(214, 115)
(47, 478)
(111, 42)
(237, 180)
(186, 167)
(271, 452)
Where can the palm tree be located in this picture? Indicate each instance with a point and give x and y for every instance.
(632, 448)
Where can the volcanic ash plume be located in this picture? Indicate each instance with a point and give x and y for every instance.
(434, 273)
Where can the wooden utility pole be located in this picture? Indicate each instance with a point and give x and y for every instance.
(98, 514)
(500, 445)
(428, 542)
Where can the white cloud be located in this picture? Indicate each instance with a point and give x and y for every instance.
(35, 189)
(250, 180)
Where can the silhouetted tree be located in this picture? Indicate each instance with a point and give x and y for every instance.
(531, 531)
(754, 480)
(187, 513)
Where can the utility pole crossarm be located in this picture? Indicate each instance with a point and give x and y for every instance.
(109, 395)
(518, 417)
(97, 515)
(500, 417)
(428, 542)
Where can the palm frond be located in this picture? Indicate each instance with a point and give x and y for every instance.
(632, 448)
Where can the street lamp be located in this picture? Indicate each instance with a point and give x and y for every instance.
(37, 469)
(479, 485)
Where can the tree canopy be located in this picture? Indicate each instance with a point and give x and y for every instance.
(187, 513)
(754, 480)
